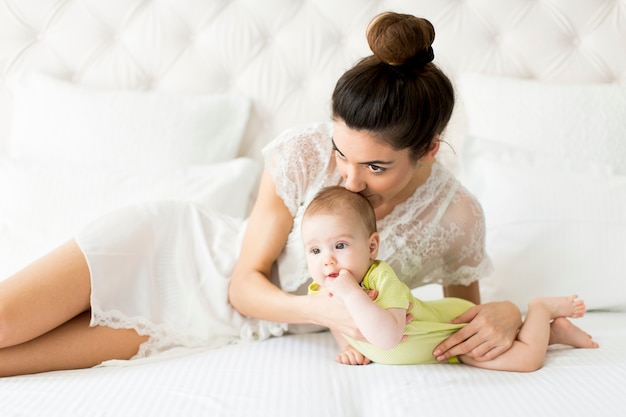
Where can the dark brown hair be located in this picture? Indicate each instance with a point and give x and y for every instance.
(397, 94)
(337, 199)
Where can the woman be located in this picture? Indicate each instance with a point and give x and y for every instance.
(158, 276)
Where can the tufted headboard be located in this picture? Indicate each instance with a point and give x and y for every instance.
(286, 55)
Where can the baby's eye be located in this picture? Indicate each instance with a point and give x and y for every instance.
(315, 251)
(340, 246)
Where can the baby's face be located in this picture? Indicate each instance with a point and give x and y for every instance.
(333, 243)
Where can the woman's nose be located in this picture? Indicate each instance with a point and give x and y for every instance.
(353, 181)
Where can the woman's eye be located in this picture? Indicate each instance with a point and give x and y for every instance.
(377, 169)
(340, 246)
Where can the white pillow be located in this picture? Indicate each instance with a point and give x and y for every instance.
(59, 121)
(584, 123)
(42, 205)
(551, 229)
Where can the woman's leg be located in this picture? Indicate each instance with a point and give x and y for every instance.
(72, 345)
(43, 304)
(44, 295)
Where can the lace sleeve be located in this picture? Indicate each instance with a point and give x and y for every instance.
(437, 235)
(296, 159)
(466, 259)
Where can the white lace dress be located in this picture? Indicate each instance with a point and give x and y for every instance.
(163, 268)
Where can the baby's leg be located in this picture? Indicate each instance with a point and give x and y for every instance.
(563, 331)
(528, 351)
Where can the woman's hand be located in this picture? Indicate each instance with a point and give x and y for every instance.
(491, 330)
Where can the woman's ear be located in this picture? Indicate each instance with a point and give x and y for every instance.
(374, 244)
(432, 150)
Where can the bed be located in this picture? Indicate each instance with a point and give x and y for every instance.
(96, 96)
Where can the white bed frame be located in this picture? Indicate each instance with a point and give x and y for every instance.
(286, 55)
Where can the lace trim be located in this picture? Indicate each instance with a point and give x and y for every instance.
(464, 275)
(468, 274)
(260, 330)
(160, 337)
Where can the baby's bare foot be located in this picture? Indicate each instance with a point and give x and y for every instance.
(561, 306)
(563, 331)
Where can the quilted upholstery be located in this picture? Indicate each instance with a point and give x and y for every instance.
(287, 54)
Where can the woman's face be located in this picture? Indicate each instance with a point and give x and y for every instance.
(383, 175)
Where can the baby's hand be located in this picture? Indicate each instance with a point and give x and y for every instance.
(344, 284)
(351, 356)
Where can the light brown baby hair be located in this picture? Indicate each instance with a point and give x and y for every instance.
(338, 200)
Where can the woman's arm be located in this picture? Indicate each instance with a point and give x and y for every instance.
(251, 291)
(491, 329)
(467, 292)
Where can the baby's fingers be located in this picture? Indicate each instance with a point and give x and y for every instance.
(351, 356)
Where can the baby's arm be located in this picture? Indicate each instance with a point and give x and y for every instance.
(384, 328)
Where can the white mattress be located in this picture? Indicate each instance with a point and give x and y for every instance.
(297, 376)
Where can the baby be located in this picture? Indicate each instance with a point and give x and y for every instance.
(341, 242)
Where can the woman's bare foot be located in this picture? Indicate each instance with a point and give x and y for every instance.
(561, 306)
(563, 331)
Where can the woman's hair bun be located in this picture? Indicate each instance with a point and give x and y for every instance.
(397, 39)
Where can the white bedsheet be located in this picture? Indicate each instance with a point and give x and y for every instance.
(297, 376)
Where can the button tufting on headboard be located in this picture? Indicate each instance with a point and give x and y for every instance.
(286, 55)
